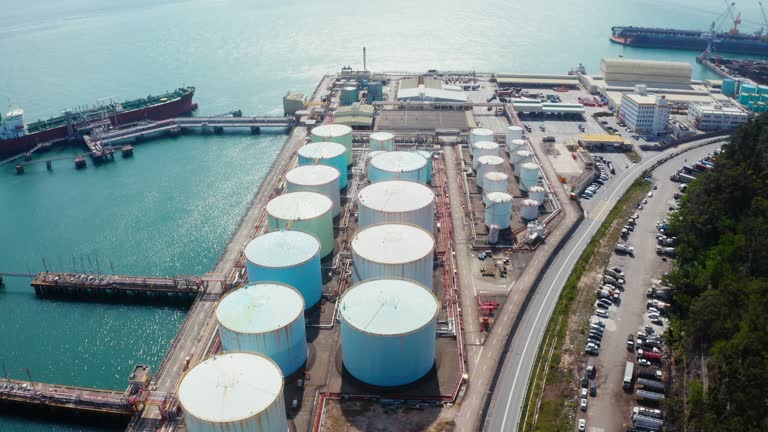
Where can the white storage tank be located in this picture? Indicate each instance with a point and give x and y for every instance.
(398, 165)
(480, 134)
(514, 133)
(396, 201)
(529, 175)
(395, 251)
(519, 158)
(266, 318)
(337, 133)
(289, 257)
(428, 156)
(494, 182)
(499, 209)
(234, 391)
(388, 331)
(537, 193)
(321, 179)
(326, 153)
(309, 212)
(483, 148)
(530, 209)
(382, 141)
(516, 145)
(488, 164)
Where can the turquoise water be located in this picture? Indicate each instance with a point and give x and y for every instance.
(170, 209)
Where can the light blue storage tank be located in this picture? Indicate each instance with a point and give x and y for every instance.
(349, 95)
(289, 257)
(265, 318)
(729, 87)
(762, 89)
(388, 331)
(428, 156)
(743, 99)
(747, 89)
(327, 153)
(398, 165)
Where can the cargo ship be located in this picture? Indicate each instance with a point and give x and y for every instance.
(694, 40)
(18, 137)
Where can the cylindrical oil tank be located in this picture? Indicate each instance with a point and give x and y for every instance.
(493, 234)
(396, 201)
(331, 154)
(396, 251)
(499, 209)
(428, 157)
(530, 209)
(529, 175)
(480, 134)
(234, 391)
(483, 148)
(516, 145)
(341, 134)
(519, 158)
(537, 193)
(494, 182)
(488, 164)
(382, 141)
(266, 318)
(309, 212)
(514, 133)
(388, 331)
(398, 165)
(289, 257)
(348, 95)
(316, 178)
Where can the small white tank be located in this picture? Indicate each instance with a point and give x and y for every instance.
(529, 175)
(537, 193)
(480, 134)
(516, 145)
(483, 148)
(382, 141)
(322, 179)
(514, 133)
(309, 212)
(398, 165)
(519, 158)
(499, 209)
(488, 164)
(494, 182)
(530, 210)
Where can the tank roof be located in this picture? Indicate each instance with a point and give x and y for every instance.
(331, 130)
(486, 145)
(381, 136)
(525, 152)
(481, 131)
(398, 161)
(536, 188)
(282, 249)
(312, 175)
(531, 165)
(392, 243)
(322, 150)
(230, 387)
(531, 202)
(496, 175)
(514, 128)
(388, 306)
(396, 196)
(299, 205)
(490, 159)
(260, 308)
(499, 197)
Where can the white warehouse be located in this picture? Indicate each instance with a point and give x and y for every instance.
(716, 117)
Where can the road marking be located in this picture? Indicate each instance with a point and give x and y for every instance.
(544, 303)
(600, 210)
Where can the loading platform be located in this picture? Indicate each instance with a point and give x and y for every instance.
(70, 284)
(78, 399)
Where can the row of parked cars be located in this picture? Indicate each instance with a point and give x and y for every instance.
(603, 165)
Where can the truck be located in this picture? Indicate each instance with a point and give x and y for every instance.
(649, 373)
(666, 241)
(611, 168)
(648, 355)
(624, 249)
(688, 169)
(629, 370)
(652, 385)
(665, 251)
(685, 178)
(650, 396)
(648, 412)
(650, 423)
(663, 293)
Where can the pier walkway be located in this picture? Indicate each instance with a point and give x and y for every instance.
(86, 285)
(78, 399)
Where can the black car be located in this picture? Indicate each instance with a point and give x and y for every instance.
(585, 381)
(593, 389)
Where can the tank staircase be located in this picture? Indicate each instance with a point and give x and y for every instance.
(75, 399)
(51, 284)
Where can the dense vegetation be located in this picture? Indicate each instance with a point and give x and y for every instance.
(721, 281)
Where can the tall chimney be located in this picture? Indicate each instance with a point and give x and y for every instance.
(364, 67)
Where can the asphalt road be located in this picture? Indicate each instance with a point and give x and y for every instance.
(505, 407)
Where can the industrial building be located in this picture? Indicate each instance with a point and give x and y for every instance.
(536, 80)
(716, 117)
(644, 113)
(355, 115)
(293, 102)
(602, 143)
(428, 90)
(649, 72)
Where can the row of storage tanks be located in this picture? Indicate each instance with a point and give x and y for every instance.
(388, 317)
(490, 176)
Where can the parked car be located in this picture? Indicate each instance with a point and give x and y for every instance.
(583, 404)
(593, 389)
(582, 425)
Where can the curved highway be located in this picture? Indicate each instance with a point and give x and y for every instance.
(506, 403)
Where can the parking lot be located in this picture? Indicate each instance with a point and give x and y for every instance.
(610, 409)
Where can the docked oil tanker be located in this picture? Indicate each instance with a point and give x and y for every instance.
(694, 40)
(17, 137)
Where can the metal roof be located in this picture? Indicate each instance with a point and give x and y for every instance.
(490, 160)
(331, 130)
(486, 145)
(398, 161)
(260, 308)
(299, 205)
(381, 136)
(388, 306)
(312, 175)
(396, 196)
(499, 197)
(230, 387)
(322, 150)
(282, 249)
(392, 243)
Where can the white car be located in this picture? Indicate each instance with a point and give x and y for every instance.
(583, 404)
(601, 313)
(644, 362)
(650, 194)
(583, 393)
(582, 425)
